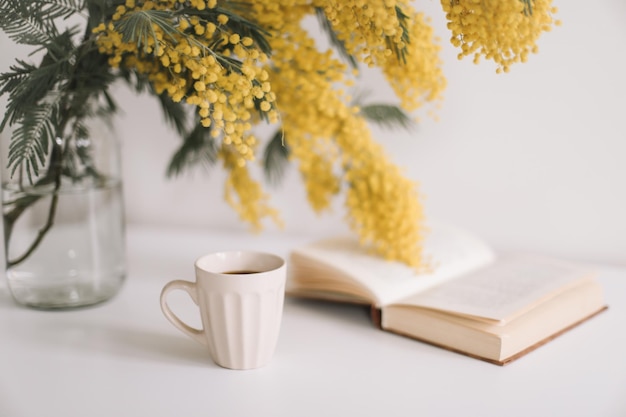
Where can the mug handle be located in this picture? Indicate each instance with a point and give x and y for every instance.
(190, 288)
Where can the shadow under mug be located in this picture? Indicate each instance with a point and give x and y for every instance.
(240, 295)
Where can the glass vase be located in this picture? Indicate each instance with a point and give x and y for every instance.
(64, 229)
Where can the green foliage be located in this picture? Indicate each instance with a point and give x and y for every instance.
(340, 47)
(528, 7)
(275, 158)
(66, 79)
(175, 113)
(32, 22)
(400, 52)
(237, 23)
(386, 115)
(276, 152)
(198, 148)
(78, 161)
(334, 40)
(16, 84)
(49, 101)
(138, 27)
(99, 11)
(45, 100)
(27, 85)
(31, 140)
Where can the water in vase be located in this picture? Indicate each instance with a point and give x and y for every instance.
(80, 259)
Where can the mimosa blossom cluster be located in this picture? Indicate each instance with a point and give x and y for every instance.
(308, 92)
(330, 140)
(226, 101)
(505, 31)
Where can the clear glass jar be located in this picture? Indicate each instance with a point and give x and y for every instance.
(64, 230)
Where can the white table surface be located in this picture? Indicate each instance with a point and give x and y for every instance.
(123, 358)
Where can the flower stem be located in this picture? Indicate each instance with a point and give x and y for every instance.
(56, 169)
(44, 230)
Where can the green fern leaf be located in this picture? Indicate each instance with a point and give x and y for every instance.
(528, 7)
(198, 148)
(55, 9)
(9, 81)
(137, 82)
(27, 85)
(175, 113)
(25, 23)
(237, 22)
(137, 27)
(334, 40)
(78, 161)
(386, 115)
(276, 158)
(400, 53)
(31, 141)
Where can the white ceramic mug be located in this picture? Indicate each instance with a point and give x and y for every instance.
(240, 295)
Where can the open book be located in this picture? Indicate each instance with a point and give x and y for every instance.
(496, 308)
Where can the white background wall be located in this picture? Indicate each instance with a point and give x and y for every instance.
(533, 160)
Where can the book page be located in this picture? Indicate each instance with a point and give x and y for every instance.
(503, 290)
(450, 252)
